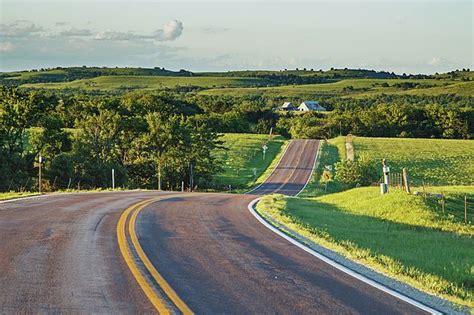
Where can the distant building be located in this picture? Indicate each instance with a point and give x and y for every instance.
(307, 106)
(288, 106)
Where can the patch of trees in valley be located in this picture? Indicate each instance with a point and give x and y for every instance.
(143, 134)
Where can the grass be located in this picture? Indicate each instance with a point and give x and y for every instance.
(331, 152)
(398, 234)
(147, 82)
(434, 161)
(355, 88)
(247, 86)
(244, 153)
(14, 195)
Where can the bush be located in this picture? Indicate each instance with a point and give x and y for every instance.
(353, 173)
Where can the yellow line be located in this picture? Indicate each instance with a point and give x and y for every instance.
(156, 275)
(157, 302)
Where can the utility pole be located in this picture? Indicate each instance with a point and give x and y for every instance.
(191, 179)
(113, 179)
(40, 160)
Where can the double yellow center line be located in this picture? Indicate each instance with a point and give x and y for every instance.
(130, 214)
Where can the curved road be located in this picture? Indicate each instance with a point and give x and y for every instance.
(59, 254)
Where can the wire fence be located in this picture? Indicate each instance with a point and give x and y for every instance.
(448, 203)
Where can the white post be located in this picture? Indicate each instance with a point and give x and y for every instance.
(113, 179)
(40, 160)
(386, 176)
(182, 186)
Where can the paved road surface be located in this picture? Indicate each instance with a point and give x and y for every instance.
(60, 254)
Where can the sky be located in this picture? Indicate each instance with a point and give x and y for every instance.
(402, 36)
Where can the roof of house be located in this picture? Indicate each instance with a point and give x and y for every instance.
(287, 104)
(312, 105)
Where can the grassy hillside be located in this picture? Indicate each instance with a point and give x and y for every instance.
(398, 234)
(296, 83)
(147, 82)
(357, 88)
(243, 153)
(436, 161)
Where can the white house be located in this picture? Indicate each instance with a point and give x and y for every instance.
(307, 106)
(288, 106)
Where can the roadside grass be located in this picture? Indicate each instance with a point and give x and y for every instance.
(268, 171)
(14, 195)
(432, 161)
(397, 234)
(147, 82)
(244, 153)
(331, 151)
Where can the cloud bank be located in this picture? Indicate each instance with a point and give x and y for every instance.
(27, 29)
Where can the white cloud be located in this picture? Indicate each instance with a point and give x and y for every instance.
(6, 47)
(19, 29)
(61, 23)
(76, 32)
(171, 30)
(435, 61)
(114, 35)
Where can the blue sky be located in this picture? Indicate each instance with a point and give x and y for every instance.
(400, 36)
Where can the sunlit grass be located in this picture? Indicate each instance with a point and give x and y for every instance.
(398, 234)
(244, 154)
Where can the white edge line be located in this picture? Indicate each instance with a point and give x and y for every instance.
(278, 164)
(339, 266)
(22, 198)
(312, 170)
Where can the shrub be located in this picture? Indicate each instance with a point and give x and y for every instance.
(359, 172)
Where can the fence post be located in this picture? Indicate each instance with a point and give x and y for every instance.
(405, 180)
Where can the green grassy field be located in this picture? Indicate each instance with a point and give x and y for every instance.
(147, 82)
(355, 88)
(243, 155)
(245, 86)
(434, 161)
(398, 234)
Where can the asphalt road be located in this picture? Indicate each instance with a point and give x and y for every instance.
(59, 254)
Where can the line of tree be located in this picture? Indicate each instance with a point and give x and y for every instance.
(144, 134)
(142, 139)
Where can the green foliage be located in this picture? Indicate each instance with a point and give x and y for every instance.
(354, 173)
(396, 233)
